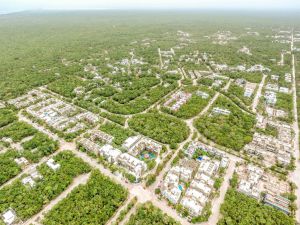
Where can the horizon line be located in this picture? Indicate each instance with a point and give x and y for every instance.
(3, 12)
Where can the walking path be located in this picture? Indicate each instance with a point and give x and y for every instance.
(160, 59)
(216, 204)
(113, 219)
(128, 215)
(258, 93)
(80, 180)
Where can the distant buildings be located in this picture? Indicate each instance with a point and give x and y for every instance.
(177, 100)
(218, 111)
(202, 94)
(258, 68)
(60, 115)
(288, 77)
(245, 50)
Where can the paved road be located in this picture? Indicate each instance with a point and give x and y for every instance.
(295, 176)
(216, 204)
(117, 213)
(258, 93)
(160, 59)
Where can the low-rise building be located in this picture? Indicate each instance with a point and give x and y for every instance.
(172, 194)
(288, 77)
(137, 144)
(278, 202)
(202, 94)
(249, 182)
(209, 167)
(52, 164)
(193, 206)
(269, 147)
(217, 110)
(101, 136)
(177, 100)
(28, 181)
(89, 145)
(272, 87)
(21, 161)
(258, 68)
(110, 153)
(9, 217)
(134, 166)
(131, 141)
(201, 186)
(284, 90)
(271, 97)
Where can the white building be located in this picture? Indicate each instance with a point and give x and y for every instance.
(209, 167)
(194, 207)
(248, 92)
(284, 90)
(100, 135)
(110, 153)
(172, 194)
(184, 173)
(245, 50)
(288, 77)
(52, 164)
(131, 141)
(258, 68)
(272, 87)
(135, 166)
(271, 97)
(217, 110)
(9, 217)
(28, 181)
(202, 94)
(21, 161)
(201, 186)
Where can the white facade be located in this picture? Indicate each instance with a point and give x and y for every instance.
(9, 217)
(110, 153)
(52, 164)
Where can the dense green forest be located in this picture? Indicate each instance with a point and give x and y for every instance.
(147, 214)
(38, 146)
(108, 62)
(233, 130)
(100, 197)
(17, 131)
(160, 127)
(34, 43)
(29, 201)
(8, 167)
(6, 117)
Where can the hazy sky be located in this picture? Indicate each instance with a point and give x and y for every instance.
(13, 5)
